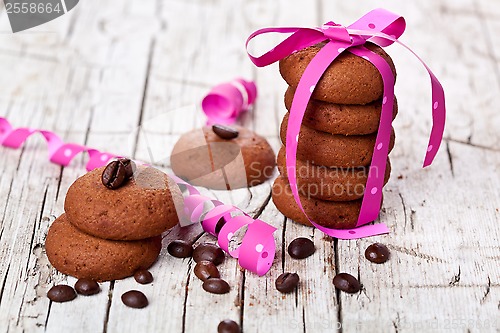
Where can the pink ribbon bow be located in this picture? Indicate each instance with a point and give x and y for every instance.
(383, 28)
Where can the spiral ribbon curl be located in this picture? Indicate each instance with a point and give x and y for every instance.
(257, 249)
(383, 28)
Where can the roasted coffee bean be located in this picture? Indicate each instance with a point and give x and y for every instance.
(346, 282)
(377, 253)
(219, 225)
(135, 299)
(114, 175)
(61, 293)
(87, 287)
(228, 326)
(287, 282)
(216, 286)
(208, 252)
(180, 249)
(129, 166)
(225, 132)
(143, 276)
(205, 270)
(301, 248)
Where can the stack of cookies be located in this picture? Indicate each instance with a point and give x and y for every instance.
(336, 140)
(113, 222)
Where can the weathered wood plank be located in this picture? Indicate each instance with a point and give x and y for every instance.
(179, 76)
(443, 254)
(131, 63)
(30, 200)
(443, 219)
(67, 106)
(313, 306)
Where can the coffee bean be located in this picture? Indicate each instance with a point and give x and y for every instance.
(208, 252)
(219, 225)
(87, 287)
(114, 175)
(135, 299)
(216, 286)
(346, 282)
(228, 326)
(205, 270)
(180, 249)
(129, 166)
(61, 293)
(377, 253)
(301, 248)
(225, 132)
(287, 282)
(143, 276)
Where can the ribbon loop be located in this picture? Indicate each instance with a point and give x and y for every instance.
(380, 21)
(378, 26)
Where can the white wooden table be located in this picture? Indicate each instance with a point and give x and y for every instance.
(107, 68)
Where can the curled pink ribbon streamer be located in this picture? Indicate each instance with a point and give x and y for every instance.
(257, 249)
(383, 28)
(226, 101)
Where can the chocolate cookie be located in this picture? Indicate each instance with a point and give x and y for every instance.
(341, 118)
(348, 80)
(330, 214)
(84, 256)
(332, 184)
(204, 158)
(144, 207)
(342, 151)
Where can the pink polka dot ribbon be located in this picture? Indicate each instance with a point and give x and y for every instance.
(383, 28)
(59, 152)
(257, 247)
(255, 250)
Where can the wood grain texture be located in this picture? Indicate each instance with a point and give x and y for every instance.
(127, 77)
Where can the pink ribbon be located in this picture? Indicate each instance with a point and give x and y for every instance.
(383, 28)
(226, 101)
(59, 152)
(257, 249)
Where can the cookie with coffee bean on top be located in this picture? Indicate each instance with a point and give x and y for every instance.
(223, 157)
(145, 206)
